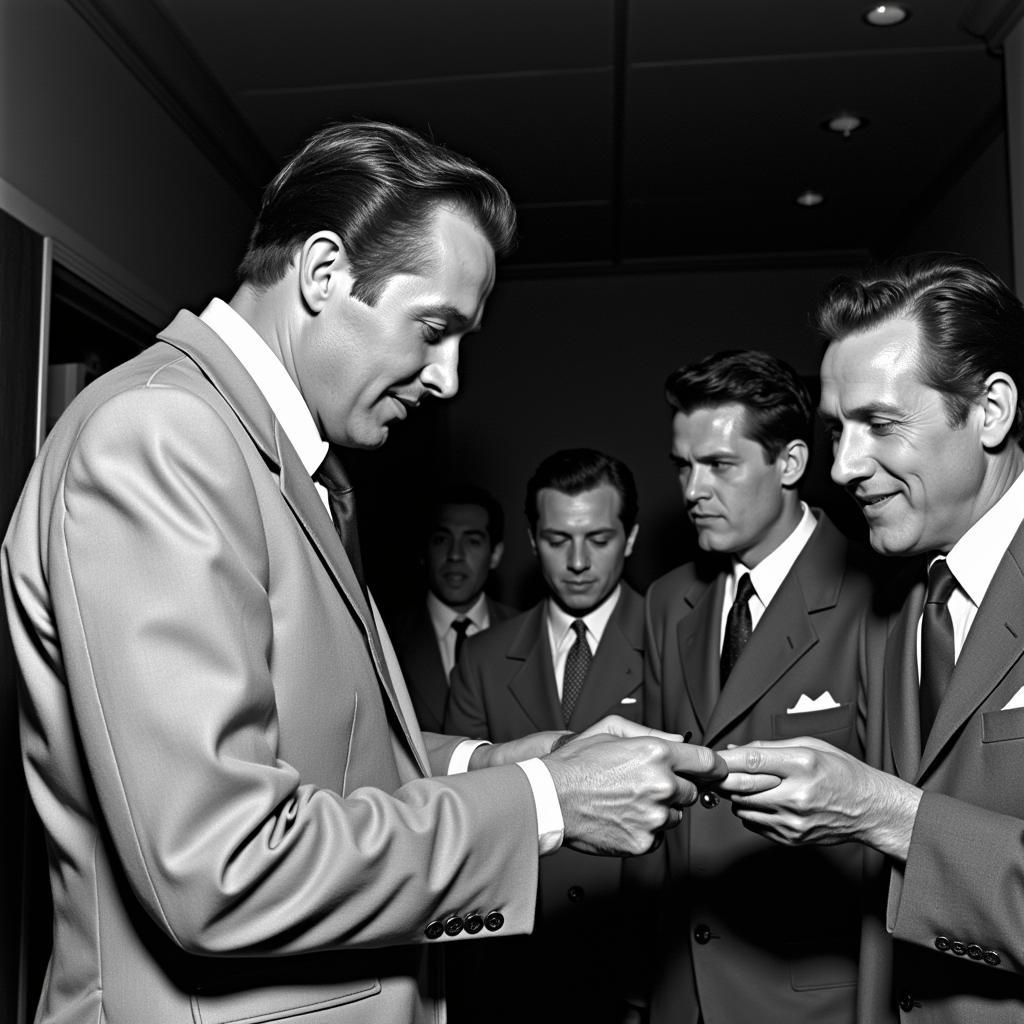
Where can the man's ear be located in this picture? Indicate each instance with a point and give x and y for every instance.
(533, 540)
(323, 268)
(999, 408)
(793, 461)
(631, 540)
(496, 552)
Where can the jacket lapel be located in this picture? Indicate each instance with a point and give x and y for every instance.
(993, 646)
(698, 638)
(532, 681)
(616, 669)
(218, 364)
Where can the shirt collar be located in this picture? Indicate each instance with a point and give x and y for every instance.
(270, 376)
(768, 575)
(441, 615)
(974, 558)
(560, 621)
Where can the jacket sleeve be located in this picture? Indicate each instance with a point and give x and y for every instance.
(467, 711)
(159, 569)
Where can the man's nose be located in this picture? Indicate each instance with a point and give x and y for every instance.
(441, 375)
(695, 484)
(456, 552)
(579, 556)
(849, 459)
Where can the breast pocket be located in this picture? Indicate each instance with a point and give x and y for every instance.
(830, 724)
(308, 1003)
(998, 726)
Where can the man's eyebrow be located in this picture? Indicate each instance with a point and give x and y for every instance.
(863, 412)
(452, 314)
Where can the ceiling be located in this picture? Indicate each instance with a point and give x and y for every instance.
(632, 134)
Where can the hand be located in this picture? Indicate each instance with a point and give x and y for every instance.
(807, 791)
(619, 793)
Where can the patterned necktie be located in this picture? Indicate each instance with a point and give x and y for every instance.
(577, 664)
(737, 628)
(342, 500)
(460, 626)
(936, 643)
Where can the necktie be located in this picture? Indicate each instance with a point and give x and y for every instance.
(936, 643)
(342, 500)
(460, 626)
(577, 663)
(737, 628)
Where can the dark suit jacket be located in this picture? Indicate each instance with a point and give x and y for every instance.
(504, 687)
(752, 931)
(412, 633)
(955, 911)
(215, 733)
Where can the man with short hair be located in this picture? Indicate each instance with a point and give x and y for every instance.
(243, 819)
(921, 389)
(462, 544)
(573, 658)
(757, 637)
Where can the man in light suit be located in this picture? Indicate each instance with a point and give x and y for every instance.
(528, 674)
(921, 388)
(757, 638)
(244, 821)
(462, 545)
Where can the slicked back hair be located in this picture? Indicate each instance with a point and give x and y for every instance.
(458, 493)
(574, 470)
(377, 186)
(777, 404)
(970, 323)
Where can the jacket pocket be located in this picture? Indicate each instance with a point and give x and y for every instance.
(813, 723)
(1002, 725)
(258, 1005)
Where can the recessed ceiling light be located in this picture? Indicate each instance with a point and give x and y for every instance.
(810, 198)
(885, 15)
(844, 124)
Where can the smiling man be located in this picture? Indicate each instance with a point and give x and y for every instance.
(921, 389)
(573, 658)
(757, 638)
(243, 818)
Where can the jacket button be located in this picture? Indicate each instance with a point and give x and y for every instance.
(991, 957)
(702, 933)
(709, 800)
(974, 951)
(474, 922)
(907, 1002)
(577, 894)
(958, 947)
(493, 921)
(942, 943)
(434, 930)
(453, 925)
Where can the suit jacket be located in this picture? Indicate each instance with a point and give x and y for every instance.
(751, 930)
(504, 687)
(420, 657)
(942, 941)
(215, 732)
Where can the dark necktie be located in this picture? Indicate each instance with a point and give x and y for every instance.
(737, 628)
(460, 626)
(577, 663)
(936, 643)
(342, 500)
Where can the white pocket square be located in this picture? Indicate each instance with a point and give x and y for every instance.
(805, 703)
(1016, 701)
(628, 700)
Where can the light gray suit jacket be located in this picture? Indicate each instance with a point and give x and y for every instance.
(216, 736)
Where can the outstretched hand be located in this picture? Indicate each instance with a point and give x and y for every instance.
(807, 791)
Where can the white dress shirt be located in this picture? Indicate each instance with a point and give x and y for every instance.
(768, 575)
(290, 409)
(442, 617)
(973, 560)
(562, 636)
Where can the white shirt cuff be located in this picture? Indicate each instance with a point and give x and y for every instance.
(550, 823)
(459, 761)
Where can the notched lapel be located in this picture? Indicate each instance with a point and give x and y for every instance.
(532, 683)
(697, 635)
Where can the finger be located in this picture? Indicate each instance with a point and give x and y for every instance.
(742, 782)
(697, 762)
(762, 759)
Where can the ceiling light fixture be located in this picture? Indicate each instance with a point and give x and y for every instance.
(886, 15)
(810, 198)
(844, 124)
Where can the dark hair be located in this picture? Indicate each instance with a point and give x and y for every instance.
(971, 324)
(778, 406)
(467, 494)
(573, 470)
(377, 186)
